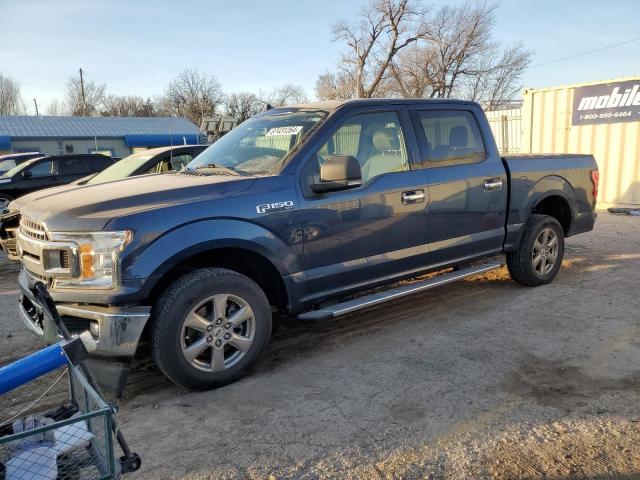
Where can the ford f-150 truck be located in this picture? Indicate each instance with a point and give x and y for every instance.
(306, 210)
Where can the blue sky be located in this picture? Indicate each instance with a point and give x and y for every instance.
(137, 47)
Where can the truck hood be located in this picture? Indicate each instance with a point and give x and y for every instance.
(90, 207)
(20, 202)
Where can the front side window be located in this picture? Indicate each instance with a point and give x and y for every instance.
(453, 137)
(178, 161)
(260, 145)
(375, 139)
(42, 169)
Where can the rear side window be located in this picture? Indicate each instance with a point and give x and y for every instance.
(102, 163)
(453, 137)
(74, 165)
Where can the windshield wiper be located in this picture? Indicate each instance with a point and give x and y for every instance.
(213, 166)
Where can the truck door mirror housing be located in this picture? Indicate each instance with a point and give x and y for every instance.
(339, 172)
(27, 174)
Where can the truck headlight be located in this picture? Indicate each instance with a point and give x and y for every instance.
(96, 256)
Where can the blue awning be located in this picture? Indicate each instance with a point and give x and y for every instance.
(161, 140)
(5, 142)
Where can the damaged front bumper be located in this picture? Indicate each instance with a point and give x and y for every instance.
(116, 331)
(8, 230)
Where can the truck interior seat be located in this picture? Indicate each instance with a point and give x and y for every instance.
(459, 141)
(459, 137)
(388, 158)
(458, 145)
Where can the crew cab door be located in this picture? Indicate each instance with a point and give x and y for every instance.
(467, 183)
(372, 232)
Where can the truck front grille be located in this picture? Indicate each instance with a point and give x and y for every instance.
(42, 258)
(32, 229)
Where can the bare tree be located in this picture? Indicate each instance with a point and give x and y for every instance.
(458, 57)
(84, 105)
(385, 28)
(336, 86)
(242, 105)
(193, 95)
(11, 102)
(459, 37)
(55, 108)
(414, 74)
(127, 106)
(504, 76)
(288, 94)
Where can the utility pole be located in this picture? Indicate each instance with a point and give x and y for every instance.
(36, 104)
(82, 92)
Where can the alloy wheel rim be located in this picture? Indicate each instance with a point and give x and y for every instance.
(217, 333)
(545, 251)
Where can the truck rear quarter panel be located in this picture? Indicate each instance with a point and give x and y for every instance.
(531, 183)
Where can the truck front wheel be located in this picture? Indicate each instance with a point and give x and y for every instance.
(539, 257)
(210, 328)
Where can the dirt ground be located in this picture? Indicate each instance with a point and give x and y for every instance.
(479, 379)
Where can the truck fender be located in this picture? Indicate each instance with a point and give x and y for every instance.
(173, 247)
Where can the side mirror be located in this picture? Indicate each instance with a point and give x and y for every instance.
(27, 174)
(337, 173)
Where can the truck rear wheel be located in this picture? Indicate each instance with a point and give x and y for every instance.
(210, 328)
(539, 257)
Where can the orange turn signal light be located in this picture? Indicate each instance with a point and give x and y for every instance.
(86, 260)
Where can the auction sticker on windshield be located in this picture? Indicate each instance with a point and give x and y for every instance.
(284, 131)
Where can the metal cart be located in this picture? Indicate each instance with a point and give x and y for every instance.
(64, 433)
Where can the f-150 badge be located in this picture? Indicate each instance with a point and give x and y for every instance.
(274, 207)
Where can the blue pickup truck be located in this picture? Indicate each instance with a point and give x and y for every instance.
(306, 211)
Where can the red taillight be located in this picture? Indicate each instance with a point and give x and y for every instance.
(595, 179)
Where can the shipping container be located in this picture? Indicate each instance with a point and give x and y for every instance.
(601, 118)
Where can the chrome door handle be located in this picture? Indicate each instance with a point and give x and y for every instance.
(415, 196)
(493, 185)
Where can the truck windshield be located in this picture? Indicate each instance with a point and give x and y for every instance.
(6, 165)
(18, 168)
(260, 145)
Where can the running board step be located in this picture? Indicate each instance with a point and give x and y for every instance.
(359, 303)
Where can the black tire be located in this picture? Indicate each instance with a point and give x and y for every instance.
(5, 200)
(521, 263)
(178, 301)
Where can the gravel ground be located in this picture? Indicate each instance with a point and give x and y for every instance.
(479, 379)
